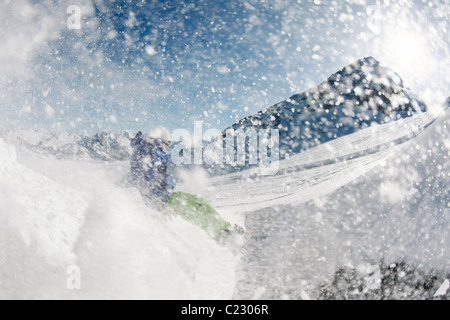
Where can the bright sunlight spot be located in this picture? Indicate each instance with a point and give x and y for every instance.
(407, 52)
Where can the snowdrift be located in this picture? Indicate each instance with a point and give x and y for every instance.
(57, 214)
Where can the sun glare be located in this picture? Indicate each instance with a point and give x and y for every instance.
(409, 49)
(408, 54)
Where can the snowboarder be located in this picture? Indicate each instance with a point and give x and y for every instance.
(150, 167)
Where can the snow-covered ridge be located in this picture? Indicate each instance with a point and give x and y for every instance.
(357, 96)
(103, 146)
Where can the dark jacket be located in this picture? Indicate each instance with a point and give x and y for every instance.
(151, 169)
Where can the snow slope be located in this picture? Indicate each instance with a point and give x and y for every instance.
(59, 213)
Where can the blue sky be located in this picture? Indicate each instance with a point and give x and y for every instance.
(142, 64)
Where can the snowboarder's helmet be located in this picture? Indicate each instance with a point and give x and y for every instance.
(161, 134)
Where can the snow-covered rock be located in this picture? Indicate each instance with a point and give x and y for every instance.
(360, 95)
(357, 96)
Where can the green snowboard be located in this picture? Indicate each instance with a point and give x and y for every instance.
(199, 212)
